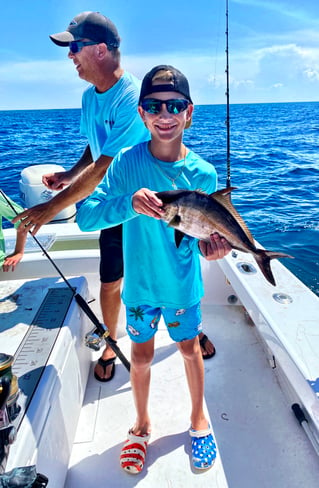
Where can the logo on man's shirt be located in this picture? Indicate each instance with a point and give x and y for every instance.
(110, 123)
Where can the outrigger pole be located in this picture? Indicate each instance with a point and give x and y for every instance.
(228, 182)
(94, 338)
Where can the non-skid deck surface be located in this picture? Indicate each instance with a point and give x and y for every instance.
(109, 413)
(259, 440)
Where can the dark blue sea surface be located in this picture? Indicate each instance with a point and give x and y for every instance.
(274, 166)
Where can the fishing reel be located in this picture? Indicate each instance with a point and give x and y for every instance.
(25, 476)
(95, 337)
(9, 408)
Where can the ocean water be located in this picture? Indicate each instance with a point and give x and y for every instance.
(274, 166)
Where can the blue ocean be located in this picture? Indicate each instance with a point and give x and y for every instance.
(274, 159)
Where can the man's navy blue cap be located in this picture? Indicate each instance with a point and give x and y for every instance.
(178, 83)
(89, 25)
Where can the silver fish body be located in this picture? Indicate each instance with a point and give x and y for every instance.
(199, 215)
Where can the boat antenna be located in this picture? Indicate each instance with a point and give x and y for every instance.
(228, 182)
(101, 331)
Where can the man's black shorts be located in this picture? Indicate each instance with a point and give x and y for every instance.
(111, 263)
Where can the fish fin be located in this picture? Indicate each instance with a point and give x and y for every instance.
(171, 196)
(175, 221)
(263, 258)
(178, 234)
(178, 237)
(224, 192)
(223, 198)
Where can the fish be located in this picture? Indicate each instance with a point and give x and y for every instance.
(197, 214)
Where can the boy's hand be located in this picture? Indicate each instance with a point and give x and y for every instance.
(146, 202)
(217, 248)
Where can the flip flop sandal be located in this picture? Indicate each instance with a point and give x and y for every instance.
(202, 342)
(133, 453)
(104, 363)
(203, 448)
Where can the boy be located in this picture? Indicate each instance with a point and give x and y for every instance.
(9, 212)
(160, 280)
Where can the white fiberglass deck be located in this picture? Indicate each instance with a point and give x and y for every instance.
(260, 442)
(261, 445)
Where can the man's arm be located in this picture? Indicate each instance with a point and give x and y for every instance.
(85, 183)
(58, 180)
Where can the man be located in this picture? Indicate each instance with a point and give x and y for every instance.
(110, 121)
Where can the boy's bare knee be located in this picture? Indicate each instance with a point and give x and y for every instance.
(189, 349)
(141, 356)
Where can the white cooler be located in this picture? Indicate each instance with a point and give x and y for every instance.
(33, 191)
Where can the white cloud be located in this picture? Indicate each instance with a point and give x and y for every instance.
(36, 71)
(312, 74)
(281, 72)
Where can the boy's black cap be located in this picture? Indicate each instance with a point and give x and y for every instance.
(89, 25)
(178, 84)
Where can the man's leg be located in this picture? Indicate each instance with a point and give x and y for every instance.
(207, 347)
(111, 272)
(110, 300)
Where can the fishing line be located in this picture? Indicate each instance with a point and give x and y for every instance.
(228, 180)
(100, 328)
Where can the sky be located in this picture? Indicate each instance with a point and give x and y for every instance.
(273, 48)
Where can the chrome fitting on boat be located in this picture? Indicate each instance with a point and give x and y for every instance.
(246, 268)
(94, 338)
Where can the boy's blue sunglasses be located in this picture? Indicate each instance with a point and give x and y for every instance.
(173, 106)
(76, 46)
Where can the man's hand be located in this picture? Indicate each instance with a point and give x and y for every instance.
(217, 248)
(33, 218)
(146, 202)
(57, 181)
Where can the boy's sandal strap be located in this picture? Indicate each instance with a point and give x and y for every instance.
(200, 433)
(133, 453)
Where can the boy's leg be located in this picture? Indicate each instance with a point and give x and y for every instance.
(133, 452)
(203, 444)
(141, 360)
(183, 324)
(194, 368)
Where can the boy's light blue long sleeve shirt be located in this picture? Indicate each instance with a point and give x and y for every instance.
(156, 273)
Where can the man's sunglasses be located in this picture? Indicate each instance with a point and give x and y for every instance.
(76, 46)
(173, 106)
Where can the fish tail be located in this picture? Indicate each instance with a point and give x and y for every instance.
(263, 258)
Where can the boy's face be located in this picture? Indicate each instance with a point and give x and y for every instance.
(169, 123)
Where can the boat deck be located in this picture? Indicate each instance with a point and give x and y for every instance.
(261, 367)
(260, 442)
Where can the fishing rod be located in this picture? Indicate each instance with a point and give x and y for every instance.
(92, 339)
(228, 182)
